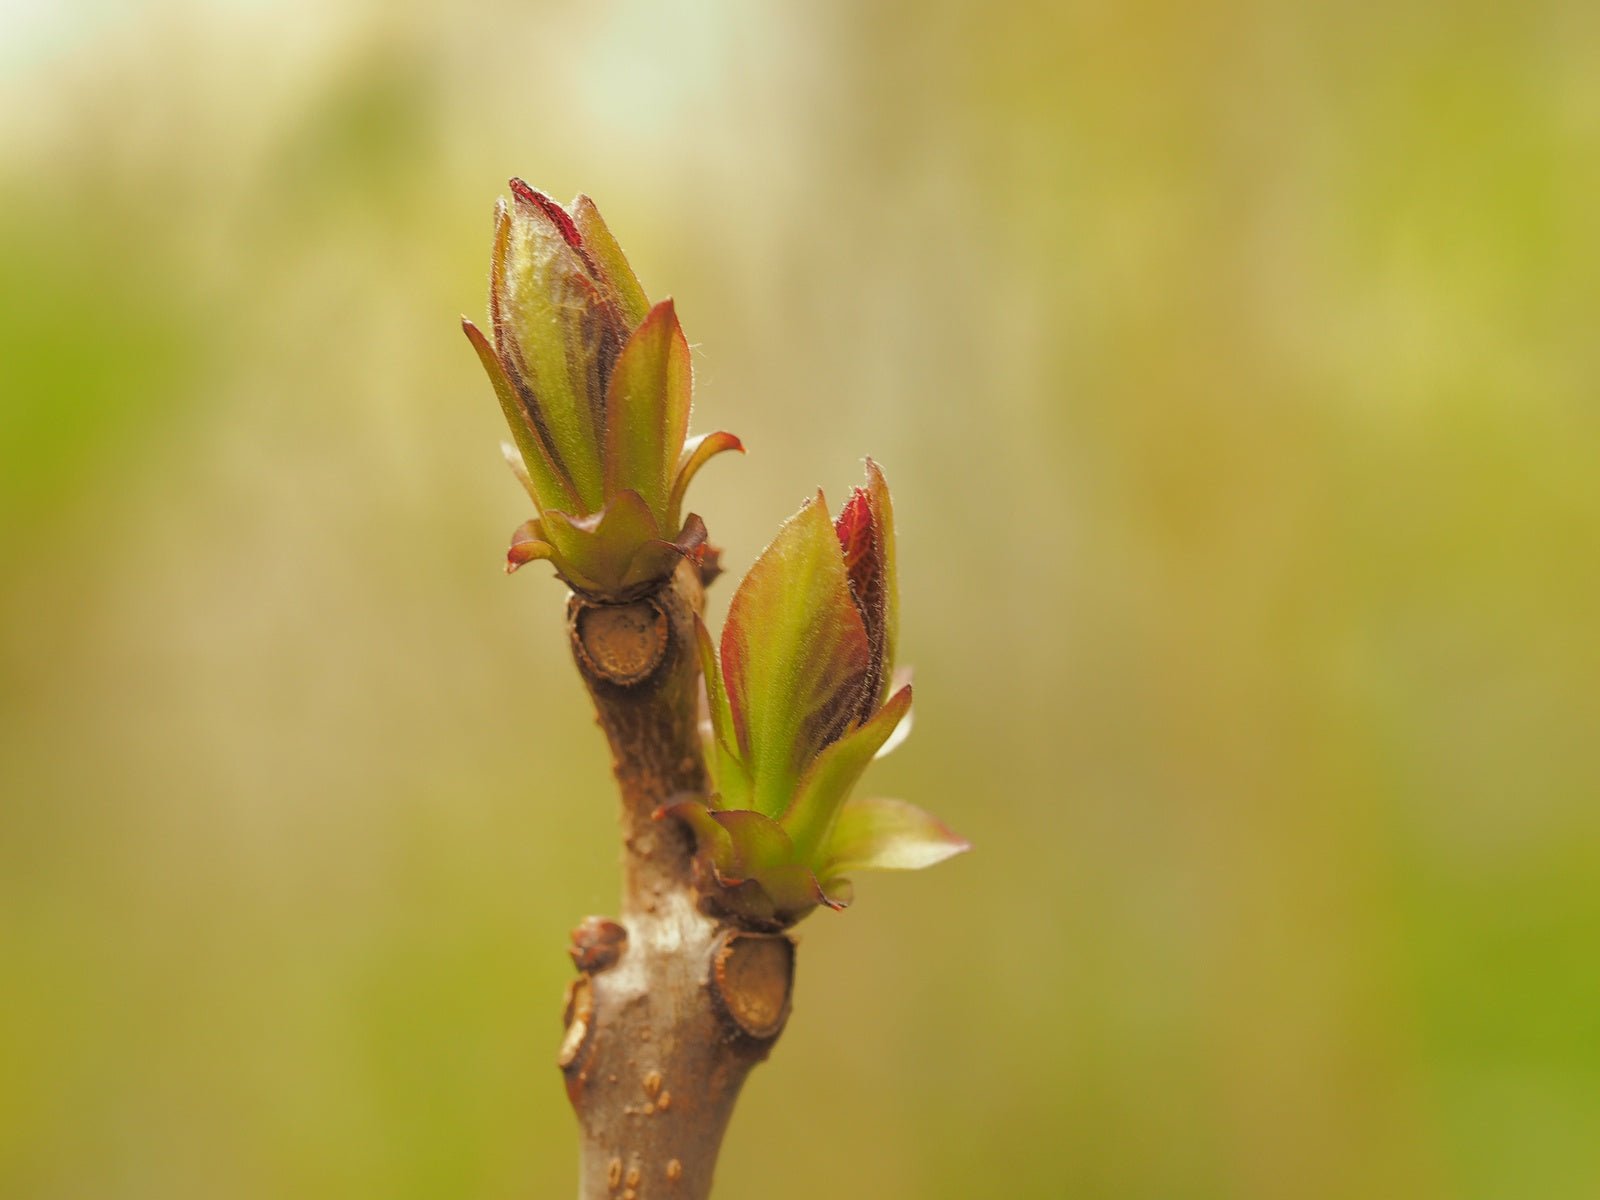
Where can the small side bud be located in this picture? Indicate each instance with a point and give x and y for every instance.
(597, 943)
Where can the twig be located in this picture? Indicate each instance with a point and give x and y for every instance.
(672, 1007)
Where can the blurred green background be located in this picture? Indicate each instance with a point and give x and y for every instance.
(1235, 369)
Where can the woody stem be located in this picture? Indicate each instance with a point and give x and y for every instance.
(672, 1007)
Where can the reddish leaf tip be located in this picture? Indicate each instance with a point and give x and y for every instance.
(663, 313)
(854, 527)
(861, 542)
(557, 215)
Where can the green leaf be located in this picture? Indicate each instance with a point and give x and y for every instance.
(550, 328)
(759, 843)
(726, 770)
(609, 262)
(795, 656)
(548, 486)
(888, 835)
(647, 410)
(696, 453)
(828, 781)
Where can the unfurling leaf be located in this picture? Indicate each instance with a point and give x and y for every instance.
(795, 656)
(595, 386)
(799, 705)
(887, 835)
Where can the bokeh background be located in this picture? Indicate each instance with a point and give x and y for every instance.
(1235, 369)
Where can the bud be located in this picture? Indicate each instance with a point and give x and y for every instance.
(596, 385)
(802, 699)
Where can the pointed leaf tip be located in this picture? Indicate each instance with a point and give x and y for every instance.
(557, 215)
(610, 263)
(647, 410)
(888, 835)
(901, 731)
(866, 538)
(795, 655)
(831, 776)
(527, 544)
(697, 451)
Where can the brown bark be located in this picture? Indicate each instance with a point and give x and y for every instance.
(672, 1007)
